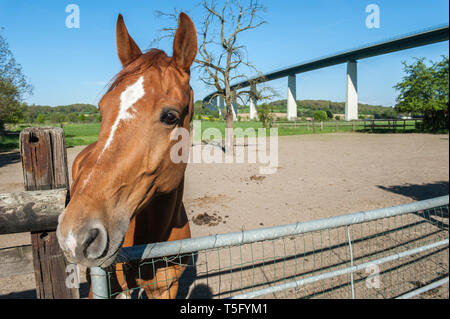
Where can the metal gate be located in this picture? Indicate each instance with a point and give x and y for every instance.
(394, 252)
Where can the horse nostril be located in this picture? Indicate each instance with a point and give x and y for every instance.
(94, 245)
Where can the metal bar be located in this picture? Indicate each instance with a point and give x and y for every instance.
(423, 289)
(351, 260)
(245, 237)
(340, 272)
(99, 283)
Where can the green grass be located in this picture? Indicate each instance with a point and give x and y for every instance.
(84, 134)
(75, 134)
(81, 134)
(9, 142)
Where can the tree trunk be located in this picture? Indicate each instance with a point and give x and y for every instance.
(229, 138)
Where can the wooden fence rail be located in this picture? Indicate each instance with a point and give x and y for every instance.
(31, 211)
(367, 124)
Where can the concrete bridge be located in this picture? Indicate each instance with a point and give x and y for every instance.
(404, 42)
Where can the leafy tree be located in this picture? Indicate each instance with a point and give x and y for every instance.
(72, 118)
(389, 114)
(265, 115)
(424, 90)
(320, 116)
(82, 118)
(41, 118)
(57, 118)
(13, 86)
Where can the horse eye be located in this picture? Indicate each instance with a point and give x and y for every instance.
(169, 117)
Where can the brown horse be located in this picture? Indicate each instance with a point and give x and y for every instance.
(126, 189)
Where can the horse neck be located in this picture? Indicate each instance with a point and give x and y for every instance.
(164, 219)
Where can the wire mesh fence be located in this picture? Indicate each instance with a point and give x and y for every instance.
(385, 253)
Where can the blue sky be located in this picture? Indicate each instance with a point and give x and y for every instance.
(73, 65)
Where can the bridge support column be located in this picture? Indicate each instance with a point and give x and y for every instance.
(351, 101)
(291, 98)
(220, 105)
(234, 110)
(253, 112)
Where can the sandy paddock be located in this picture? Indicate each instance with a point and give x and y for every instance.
(318, 176)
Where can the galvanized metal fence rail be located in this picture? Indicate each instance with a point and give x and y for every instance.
(395, 252)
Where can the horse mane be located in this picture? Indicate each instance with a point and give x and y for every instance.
(152, 58)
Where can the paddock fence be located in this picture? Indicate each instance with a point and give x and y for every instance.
(394, 252)
(36, 210)
(365, 125)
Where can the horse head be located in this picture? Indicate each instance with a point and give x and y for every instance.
(129, 165)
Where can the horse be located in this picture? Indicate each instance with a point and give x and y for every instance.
(126, 190)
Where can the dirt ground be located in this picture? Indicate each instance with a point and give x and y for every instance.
(318, 176)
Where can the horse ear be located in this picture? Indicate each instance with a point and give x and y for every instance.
(185, 43)
(127, 49)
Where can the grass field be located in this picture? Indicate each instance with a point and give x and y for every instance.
(84, 134)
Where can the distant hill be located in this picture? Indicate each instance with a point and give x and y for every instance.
(61, 113)
(334, 107)
(308, 107)
(65, 109)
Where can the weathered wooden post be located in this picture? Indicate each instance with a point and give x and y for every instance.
(44, 163)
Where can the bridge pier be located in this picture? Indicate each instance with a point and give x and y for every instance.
(220, 105)
(253, 112)
(351, 101)
(234, 110)
(291, 98)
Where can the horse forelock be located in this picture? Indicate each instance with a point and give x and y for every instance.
(152, 58)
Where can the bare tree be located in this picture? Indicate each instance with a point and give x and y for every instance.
(221, 59)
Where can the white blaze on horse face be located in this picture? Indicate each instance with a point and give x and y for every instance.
(128, 98)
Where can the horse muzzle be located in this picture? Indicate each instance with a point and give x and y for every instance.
(89, 245)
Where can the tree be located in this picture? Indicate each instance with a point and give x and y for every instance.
(13, 86)
(265, 115)
(221, 59)
(424, 90)
(72, 118)
(41, 118)
(320, 116)
(57, 118)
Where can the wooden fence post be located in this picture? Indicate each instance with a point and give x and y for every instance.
(44, 163)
